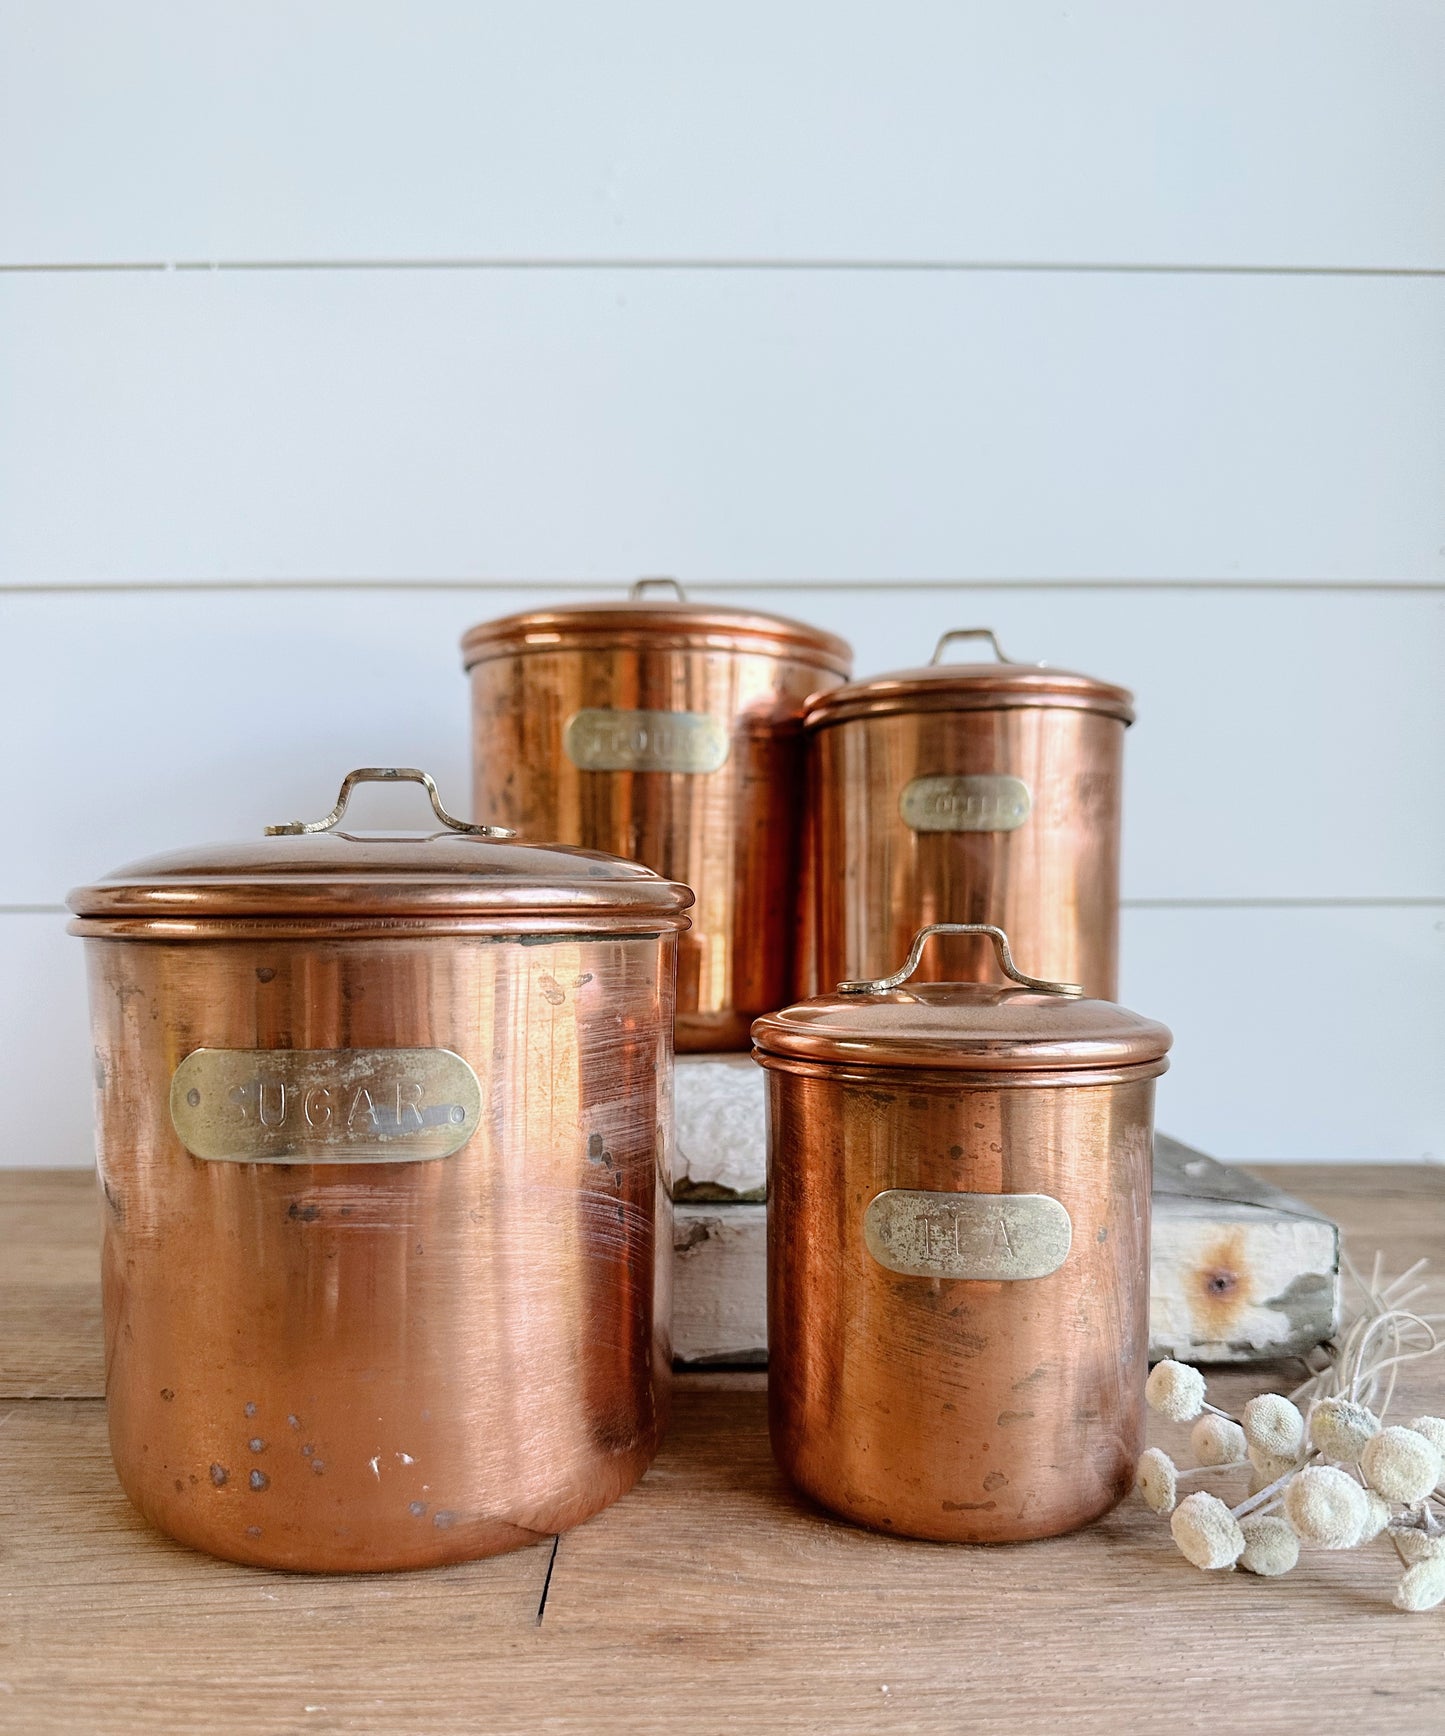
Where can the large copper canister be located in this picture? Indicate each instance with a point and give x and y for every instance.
(667, 732)
(958, 1250)
(980, 792)
(383, 1127)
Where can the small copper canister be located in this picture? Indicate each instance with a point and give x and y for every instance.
(667, 732)
(383, 1128)
(980, 792)
(958, 1250)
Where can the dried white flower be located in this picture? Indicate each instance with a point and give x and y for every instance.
(1207, 1532)
(1339, 1428)
(1422, 1586)
(1175, 1390)
(1433, 1429)
(1273, 1424)
(1217, 1441)
(1326, 1507)
(1417, 1545)
(1157, 1480)
(1377, 1517)
(1270, 1545)
(1324, 1469)
(1401, 1465)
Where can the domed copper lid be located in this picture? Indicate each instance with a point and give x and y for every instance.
(644, 624)
(939, 686)
(972, 1027)
(313, 869)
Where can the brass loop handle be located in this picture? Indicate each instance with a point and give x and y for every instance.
(970, 633)
(386, 775)
(639, 588)
(881, 985)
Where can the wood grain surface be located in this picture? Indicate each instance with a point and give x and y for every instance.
(711, 1598)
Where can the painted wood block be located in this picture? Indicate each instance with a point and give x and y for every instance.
(722, 1137)
(1240, 1272)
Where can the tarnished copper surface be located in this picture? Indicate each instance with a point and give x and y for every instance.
(439, 877)
(1002, 686)
(967, 1408)
(965, 793)
(974, 1027)
(546, 763)
(335, 1365)
(638, 624)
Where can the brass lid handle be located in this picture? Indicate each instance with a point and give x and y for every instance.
(881, 985)
(386, 775)
(639, 588)
(970, 633)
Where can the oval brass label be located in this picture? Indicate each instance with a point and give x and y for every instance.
(967, 1235)
(970, 802)
(324, 1105)
(645, 741)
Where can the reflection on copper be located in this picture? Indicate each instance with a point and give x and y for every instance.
(354, 1366)
(728, 679)
(875, 871)
(911, 1388)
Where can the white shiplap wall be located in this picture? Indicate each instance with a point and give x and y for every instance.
(328, 329)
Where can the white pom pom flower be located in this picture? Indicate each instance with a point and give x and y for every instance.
(1401, 1465)
(1270, 1545)
(1157, 1480)
(1416, 1545)
(1423, 1585)
(1433, 1429)
(1326, 1507)
(1274, 1425)
(1339, 1429)
(1207, 1532)
(1377, 1517)
(1175, 1390)
(1217, 1441)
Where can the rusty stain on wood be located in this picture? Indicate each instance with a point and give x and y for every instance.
(1220, 1287)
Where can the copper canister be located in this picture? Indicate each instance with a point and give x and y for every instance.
(977, 792)
(958, 1249)
(667, 732)
(383, 1128)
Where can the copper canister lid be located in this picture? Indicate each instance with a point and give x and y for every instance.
(645, 624)
(314, 870)
(939, 686)
(1034, 1027)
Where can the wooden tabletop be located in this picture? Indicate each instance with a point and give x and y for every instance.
(710, 1598)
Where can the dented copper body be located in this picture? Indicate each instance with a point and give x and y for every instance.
(958, 1253)
(668, 732)
(983, 792)
(383, 1128)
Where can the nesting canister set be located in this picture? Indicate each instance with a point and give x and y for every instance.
(384, 1120)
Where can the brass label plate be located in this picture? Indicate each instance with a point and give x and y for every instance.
(967, 1235)
(645, 741)
(324, 1105)
(970, 802)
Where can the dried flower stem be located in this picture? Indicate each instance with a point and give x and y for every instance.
(1255, 1502)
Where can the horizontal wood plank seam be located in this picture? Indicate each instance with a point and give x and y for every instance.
(1302, 903)
(663, 263)
(722, 587)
